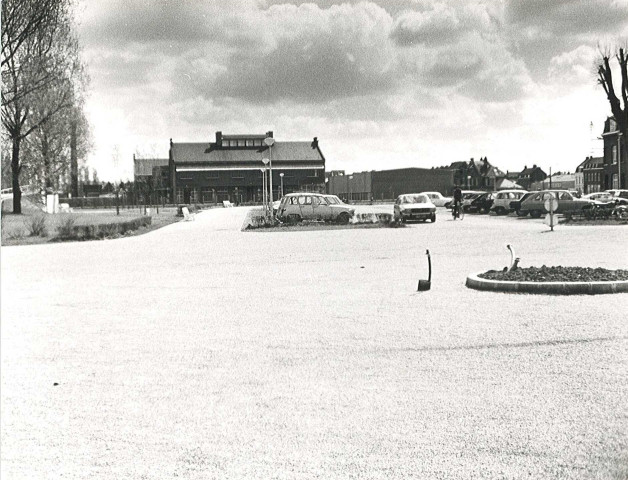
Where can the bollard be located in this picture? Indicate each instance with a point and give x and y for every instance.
(426, 284)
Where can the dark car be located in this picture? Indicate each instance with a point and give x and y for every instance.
(481, 203)
(515, 205)
(567, 204)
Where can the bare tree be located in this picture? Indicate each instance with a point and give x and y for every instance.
(39, 66)
(605, 78)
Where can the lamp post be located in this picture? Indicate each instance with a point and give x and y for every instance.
(265, 161)
(281, 179)
(269, 141)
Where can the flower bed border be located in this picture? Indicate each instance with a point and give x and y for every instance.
(547, 288)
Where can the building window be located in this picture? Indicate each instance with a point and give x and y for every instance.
(249, 143)
(312, 173)
(615, 181)
(233, 143)
(241, 143)
(225, 143)
(257, 143)
(614, 154)
(179, 195)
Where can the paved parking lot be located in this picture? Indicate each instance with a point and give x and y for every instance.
(201, 351)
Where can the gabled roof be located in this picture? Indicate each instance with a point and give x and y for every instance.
(144, 166)
(529, 170)
(209, 153)
(455, 165)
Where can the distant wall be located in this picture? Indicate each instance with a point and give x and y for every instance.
(388, 184)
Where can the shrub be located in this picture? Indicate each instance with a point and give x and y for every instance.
(66, 229)
(36, 226)
(109, 230)
(16, 234)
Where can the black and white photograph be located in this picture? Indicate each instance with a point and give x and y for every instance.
(324, 239)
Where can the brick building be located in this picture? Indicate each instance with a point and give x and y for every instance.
(528, 176)
(615, 156)
(592, 171)
(388, 184)
(231, 168)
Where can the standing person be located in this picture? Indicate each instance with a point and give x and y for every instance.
(457, 202)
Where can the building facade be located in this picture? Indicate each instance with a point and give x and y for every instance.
(615, 156)
(591, 173)
(558, 181)
(233, 168)
(531, 175)
(388, 184)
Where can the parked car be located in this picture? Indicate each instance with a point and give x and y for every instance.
(599, 196)
(466, 195)
(620, 193)
(334, 200)
(503, 200)
(414, 206)
(567, 203)
(437, 199)
(515, 205)
(295, 207)
(620, 197)
(480, 203)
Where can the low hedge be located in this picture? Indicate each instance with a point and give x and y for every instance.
(102, 230)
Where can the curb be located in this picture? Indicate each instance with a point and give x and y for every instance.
(547, 288)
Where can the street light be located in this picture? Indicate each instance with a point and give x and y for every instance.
(281, 179)
(269, 141)
(265, 161)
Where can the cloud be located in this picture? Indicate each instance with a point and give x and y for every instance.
(441, 24)
(312, 55)
(574, 66)
(566, 16)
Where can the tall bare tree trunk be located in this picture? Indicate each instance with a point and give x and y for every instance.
(73, 161)
(15, 172)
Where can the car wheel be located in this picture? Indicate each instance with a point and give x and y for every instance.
(535, 214)
(344, 218)
(294, 219)
(433, 218)
(521, 214)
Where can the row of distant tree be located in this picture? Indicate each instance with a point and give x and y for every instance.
(45, 134)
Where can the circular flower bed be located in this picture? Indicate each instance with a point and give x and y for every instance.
(556, 274)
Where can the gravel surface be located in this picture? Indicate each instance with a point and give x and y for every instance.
(199, 351)
(557, 274)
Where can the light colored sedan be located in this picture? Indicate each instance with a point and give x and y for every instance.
(296, 207)
(414, 206)
(437, 199)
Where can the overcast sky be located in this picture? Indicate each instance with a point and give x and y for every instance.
(382, 84)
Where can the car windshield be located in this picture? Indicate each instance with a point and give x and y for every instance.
(333, 200)
(414, 199)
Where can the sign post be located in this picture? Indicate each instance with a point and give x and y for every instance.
(551, 205)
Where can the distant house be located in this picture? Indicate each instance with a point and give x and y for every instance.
(615, 156)
(143, 168)
(531, 175)
(230, 168)
(559, 181)
(477, 175)
(590, 175)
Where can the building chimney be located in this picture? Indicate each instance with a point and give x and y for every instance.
(269, 134)
(315, 143)
(219, 138)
